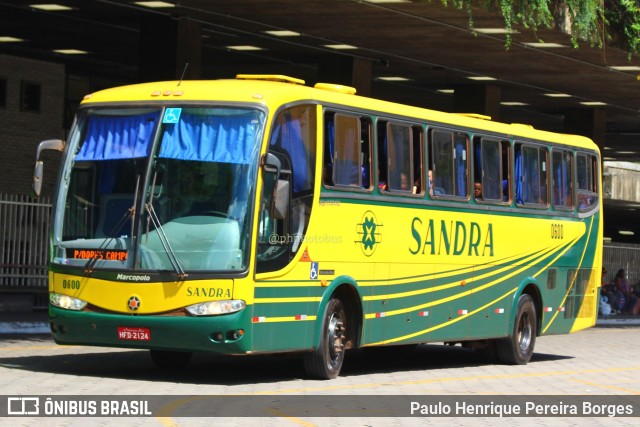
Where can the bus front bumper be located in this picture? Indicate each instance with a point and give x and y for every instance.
(227, 334)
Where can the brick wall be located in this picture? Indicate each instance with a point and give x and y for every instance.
(21, 131)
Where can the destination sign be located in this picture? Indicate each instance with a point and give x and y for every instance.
(102, 254)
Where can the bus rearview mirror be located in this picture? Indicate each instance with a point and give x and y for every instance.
(49, 144)
(37, 178)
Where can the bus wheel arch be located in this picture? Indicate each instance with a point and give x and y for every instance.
(534, 292)
(338, 329)
(353, 308)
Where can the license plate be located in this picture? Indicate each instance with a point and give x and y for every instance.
(134, 334)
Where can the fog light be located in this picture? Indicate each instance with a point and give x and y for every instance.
(236, 335)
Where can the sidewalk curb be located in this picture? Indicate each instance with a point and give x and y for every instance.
(618, 321)
(24, 328)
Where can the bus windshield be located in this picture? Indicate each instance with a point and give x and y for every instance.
(178, 181)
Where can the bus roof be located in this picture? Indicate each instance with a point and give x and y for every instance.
(276, 90)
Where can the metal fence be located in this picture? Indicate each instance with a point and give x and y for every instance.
(24, 242)
(622, 255)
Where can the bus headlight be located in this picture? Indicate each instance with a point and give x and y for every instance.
(66, 302)
(213, 308)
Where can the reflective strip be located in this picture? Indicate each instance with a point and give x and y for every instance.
(258, 319)
(499, 311)
(383, 314)
(423, 313)
(301, 317)
(461, 312)
(548, 309)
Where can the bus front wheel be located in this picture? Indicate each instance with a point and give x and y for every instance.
(325, 362)
(517, 349)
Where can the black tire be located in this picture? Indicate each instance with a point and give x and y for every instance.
(325, 362)
(170, 360)
(517, 349)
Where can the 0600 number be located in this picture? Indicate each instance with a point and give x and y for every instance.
(70, 284)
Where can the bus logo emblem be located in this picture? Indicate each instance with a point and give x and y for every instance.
(369, 233)
(133, 303)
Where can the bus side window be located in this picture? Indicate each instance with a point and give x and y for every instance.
(329, 145)
(365, 152)
(450, 165)
(491, 169)
(587, 172)
(531, 175)
(347, 158)
(294, 134)
(505, 149)
(382, 156)
(399, 163)
(418, 155)
(561, 178)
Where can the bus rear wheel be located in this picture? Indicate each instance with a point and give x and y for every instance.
(326, 361)
(517, 349)
(170, 360)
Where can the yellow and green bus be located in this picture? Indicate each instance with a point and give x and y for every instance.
(260, 215)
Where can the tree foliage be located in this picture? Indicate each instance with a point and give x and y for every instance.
(597, 22)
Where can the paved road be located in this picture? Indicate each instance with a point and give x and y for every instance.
(599, 361)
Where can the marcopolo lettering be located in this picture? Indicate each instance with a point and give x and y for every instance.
(133, 277)
(451, 238)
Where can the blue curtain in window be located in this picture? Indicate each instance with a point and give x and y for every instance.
(518, 170)
(347, 164)
(328, 152)
(210, 138)
(533, 178)
(383, 161)
(461, 169)
(399, 155)
(288, 136)
(566, 184)
(558, 197)
(477, 160)
(329, 138)
(117, 137)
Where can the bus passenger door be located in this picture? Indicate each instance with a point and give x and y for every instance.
(284, 309)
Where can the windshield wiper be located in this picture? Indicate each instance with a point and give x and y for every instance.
(161, 234)
(129, 213)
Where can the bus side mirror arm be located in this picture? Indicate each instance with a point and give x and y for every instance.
(49, 144)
